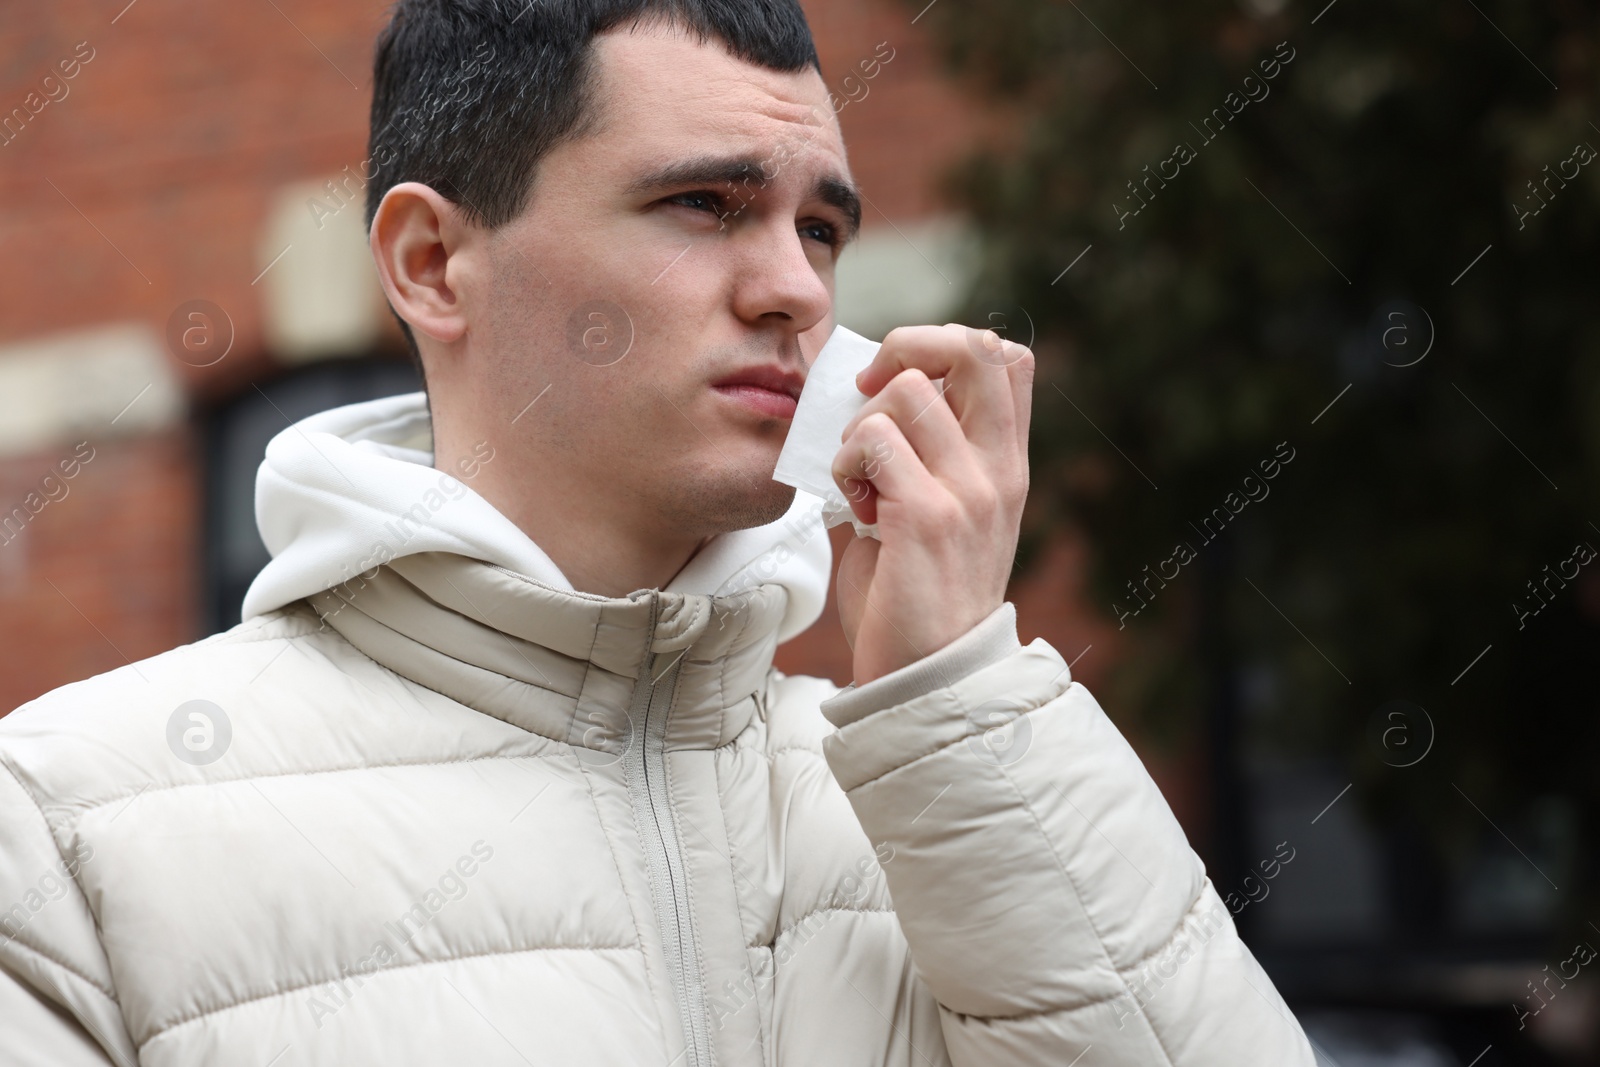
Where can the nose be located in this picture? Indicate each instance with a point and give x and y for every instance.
(778, 280)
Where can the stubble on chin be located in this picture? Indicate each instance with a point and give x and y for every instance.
(715, 502)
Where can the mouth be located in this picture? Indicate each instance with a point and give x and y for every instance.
(768, 390)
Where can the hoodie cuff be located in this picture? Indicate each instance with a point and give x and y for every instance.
(990, 641)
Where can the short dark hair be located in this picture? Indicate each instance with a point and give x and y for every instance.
(468, 95)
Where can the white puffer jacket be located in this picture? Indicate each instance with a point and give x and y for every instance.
(452, 811)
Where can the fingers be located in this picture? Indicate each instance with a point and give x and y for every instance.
(920, 411)
(876, 464)
(988, 380)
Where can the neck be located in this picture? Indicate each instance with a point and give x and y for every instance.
(597, 542)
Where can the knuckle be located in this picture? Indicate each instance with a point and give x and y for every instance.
(942, 513)
(914, 384)
(986, 498)
(879, 425)
(899, 336)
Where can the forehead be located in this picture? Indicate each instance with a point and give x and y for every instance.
(662, 91)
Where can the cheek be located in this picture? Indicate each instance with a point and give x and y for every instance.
(627, 346)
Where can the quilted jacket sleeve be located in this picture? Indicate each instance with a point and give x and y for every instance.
(39, 1033)
(1050, 899)
(57, 1003)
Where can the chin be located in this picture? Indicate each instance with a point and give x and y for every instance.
(782, 500)
(728, 502)
(768, 505)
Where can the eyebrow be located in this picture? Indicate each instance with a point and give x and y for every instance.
(731, 170)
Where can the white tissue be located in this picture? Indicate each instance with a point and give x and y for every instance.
(829, 400)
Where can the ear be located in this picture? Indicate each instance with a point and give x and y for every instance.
(419, 240)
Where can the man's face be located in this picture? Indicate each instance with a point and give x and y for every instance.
(640, 278)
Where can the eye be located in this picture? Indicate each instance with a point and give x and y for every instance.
(699, 200)
(825, 232)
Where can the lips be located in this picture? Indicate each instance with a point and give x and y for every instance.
(774, 379)
(770, 390)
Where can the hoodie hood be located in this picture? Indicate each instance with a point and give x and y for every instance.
(348, 489)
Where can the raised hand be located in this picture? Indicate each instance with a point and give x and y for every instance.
(938, 458)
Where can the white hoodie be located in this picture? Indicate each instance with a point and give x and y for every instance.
(347, 489)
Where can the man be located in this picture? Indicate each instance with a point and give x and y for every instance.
(497, 768)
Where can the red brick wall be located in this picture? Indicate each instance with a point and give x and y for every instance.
(105, 575)
(912, 122)
(170, 143)
(144, 187)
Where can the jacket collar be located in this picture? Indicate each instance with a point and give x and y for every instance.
(560, 663)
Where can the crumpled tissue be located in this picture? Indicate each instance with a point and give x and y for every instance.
(829, 400)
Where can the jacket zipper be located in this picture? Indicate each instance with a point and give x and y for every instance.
(645, 766)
